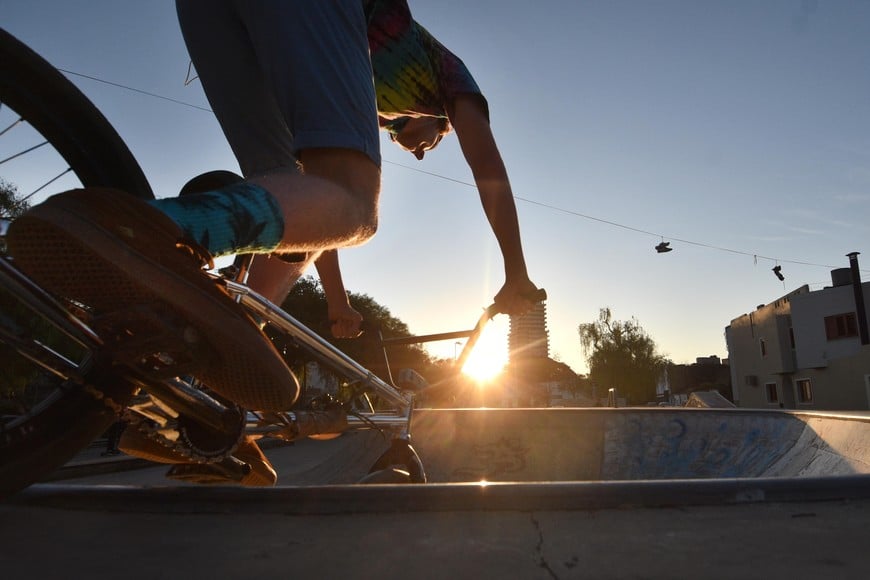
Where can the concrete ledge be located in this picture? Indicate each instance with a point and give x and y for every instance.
(353, 499)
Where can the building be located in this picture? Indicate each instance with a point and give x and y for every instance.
(806, 350)
(706, 374)
(528, 338)
(533, 379)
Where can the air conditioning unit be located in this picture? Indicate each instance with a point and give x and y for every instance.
(751, 380)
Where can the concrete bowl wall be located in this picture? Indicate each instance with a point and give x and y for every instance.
(526, 445)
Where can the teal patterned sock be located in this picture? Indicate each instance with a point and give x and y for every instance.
(236, 219)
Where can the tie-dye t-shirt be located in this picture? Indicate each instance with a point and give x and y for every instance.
(415, 75)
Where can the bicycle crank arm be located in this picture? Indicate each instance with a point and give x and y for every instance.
(262, 426)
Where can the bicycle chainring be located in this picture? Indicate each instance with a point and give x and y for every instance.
(208, 442)
(182, 438)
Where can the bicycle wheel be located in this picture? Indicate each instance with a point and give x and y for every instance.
(44, 419)
(68, 121)
(65, 422)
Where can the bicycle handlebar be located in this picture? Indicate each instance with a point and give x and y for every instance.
(489, 312)
(472, 335)
(538, 295)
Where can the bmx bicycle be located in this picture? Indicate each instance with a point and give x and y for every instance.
(63, 387)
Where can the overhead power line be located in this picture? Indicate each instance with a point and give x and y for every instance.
(756, 256)
(140, 91)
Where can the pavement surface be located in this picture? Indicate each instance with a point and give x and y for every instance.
(768, 541)
(562, 493)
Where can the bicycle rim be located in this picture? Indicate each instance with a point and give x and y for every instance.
(49, 103)
(45, 420)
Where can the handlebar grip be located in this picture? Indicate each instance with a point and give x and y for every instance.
(538, 295)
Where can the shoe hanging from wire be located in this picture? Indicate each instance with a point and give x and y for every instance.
(664, 247)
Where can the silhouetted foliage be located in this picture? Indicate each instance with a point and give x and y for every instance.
(307, 303)
(11, 204)
(621, 355)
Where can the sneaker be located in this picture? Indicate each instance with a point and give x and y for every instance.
(112, 251)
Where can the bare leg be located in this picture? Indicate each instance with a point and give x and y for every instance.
(272, 277)
(332, 205)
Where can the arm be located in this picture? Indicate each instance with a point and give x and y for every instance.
(345, 320)
(478, 144)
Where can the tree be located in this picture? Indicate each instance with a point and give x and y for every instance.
(11, 205)
(621, 355)
(307, 303)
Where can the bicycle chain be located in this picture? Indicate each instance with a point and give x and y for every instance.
(181, 446)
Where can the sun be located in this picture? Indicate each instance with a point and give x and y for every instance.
(489, 356)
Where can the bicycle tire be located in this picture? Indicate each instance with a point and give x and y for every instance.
(65, 117)
(69, 421)
(35, 444)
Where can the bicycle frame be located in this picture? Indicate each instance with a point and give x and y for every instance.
(334, 358)
(178, 394)
(184, 396)
(284, 322)
(36, 299)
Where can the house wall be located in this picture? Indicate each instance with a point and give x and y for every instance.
(814, 350)
(837, 370)
(840, 385)
(760, 352)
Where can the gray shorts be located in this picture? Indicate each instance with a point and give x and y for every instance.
(283, 76)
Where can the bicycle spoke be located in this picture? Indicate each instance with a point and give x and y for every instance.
(25, 152)
(46, 184)
(15, 124)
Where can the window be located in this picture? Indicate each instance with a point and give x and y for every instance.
(791, 337)
(763, 346)
(841, 326)
(772, 397)
(805, 391)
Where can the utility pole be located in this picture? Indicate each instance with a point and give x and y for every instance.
(860, 310)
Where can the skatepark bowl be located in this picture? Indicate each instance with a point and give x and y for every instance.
(587, 458)
(558, 459)
(473, 445)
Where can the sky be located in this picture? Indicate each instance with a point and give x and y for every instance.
(738, 131)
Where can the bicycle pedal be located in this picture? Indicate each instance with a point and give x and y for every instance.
(153, 340)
